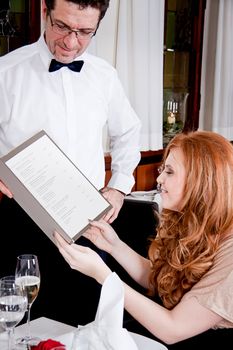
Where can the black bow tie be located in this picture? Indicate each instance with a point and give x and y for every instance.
(76, 66)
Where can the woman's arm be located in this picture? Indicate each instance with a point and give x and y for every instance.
(104, 237)
(137, 266)
(187, 319)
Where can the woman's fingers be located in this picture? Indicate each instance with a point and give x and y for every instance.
(101, 224)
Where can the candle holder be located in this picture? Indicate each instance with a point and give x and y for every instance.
(174, 116)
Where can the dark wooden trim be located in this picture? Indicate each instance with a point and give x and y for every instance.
(147, 157)
(34, 20)
(145, 173)
(194, 99)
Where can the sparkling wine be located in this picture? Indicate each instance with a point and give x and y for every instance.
(12, 309)
(30, 286)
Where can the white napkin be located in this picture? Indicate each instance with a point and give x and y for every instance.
(106, 332)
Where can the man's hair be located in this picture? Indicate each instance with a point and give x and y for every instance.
(101, 5)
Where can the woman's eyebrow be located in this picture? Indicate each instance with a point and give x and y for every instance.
(168, 166)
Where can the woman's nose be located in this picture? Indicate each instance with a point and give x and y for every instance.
(160, 178)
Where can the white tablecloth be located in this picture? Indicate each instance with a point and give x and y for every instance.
(46, 328)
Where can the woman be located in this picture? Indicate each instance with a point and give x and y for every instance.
(190, 264)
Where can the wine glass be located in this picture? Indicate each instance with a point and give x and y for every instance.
(13, 305)
(27, 276)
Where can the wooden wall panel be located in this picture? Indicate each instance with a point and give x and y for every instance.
(146, 177)
(146, 172)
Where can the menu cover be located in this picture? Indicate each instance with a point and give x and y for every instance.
(51, 189)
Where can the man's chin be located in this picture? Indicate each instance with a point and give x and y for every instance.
(64, 59)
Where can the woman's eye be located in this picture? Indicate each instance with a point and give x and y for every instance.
(165, 170)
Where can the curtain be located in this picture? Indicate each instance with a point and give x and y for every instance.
(216, 113)
(131, 38)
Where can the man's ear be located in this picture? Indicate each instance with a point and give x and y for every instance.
(43, 10)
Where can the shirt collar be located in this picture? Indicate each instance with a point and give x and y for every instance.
(44, 52)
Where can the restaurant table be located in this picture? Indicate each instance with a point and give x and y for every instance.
(46, 328)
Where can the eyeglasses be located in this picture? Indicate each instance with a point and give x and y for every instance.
(160, 169)
(64, 30)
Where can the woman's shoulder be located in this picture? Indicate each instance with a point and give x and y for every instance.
(225, 252)
(221, 271)
(222, 265)
(215, 289)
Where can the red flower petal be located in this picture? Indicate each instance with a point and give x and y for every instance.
(47, 345)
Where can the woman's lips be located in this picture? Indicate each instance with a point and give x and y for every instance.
(163, 190)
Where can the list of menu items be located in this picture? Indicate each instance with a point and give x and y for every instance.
(57, 184)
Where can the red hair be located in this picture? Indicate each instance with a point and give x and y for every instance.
(187, 241)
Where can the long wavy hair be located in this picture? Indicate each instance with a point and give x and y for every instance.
(187, 241)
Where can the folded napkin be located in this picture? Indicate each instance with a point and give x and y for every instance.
(106, 332)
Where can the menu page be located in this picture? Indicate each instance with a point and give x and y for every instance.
(57, 184)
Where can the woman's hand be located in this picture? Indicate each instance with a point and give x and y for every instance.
(102, 235)
(83, 259)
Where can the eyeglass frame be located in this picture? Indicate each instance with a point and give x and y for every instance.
(68, 30)
(160, 169)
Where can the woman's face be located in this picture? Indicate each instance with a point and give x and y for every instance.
(172, 180)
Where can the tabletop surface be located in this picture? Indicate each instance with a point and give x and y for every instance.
(46, 328)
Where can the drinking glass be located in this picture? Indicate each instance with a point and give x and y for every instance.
(27, 276)
(10, 278)
(13, 305)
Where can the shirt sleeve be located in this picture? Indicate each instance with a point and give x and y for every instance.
(124, 129)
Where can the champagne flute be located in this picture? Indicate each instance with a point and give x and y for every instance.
(27, 275)
(13, 305)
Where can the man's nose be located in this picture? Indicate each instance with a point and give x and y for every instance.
(71, 40)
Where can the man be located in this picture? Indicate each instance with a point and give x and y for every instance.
(71, 107)
(38, 93)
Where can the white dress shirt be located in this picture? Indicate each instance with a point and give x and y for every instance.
(73, 109)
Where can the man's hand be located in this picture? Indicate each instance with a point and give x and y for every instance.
(5, 190)
(116, 198)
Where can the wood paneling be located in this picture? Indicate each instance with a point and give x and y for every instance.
(146, 177)
(146, 172)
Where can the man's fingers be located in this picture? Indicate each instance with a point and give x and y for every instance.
(5, 190)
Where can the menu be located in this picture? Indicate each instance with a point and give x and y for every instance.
(51, 189)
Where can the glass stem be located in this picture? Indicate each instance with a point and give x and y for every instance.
(28, 322)
(10, 338)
